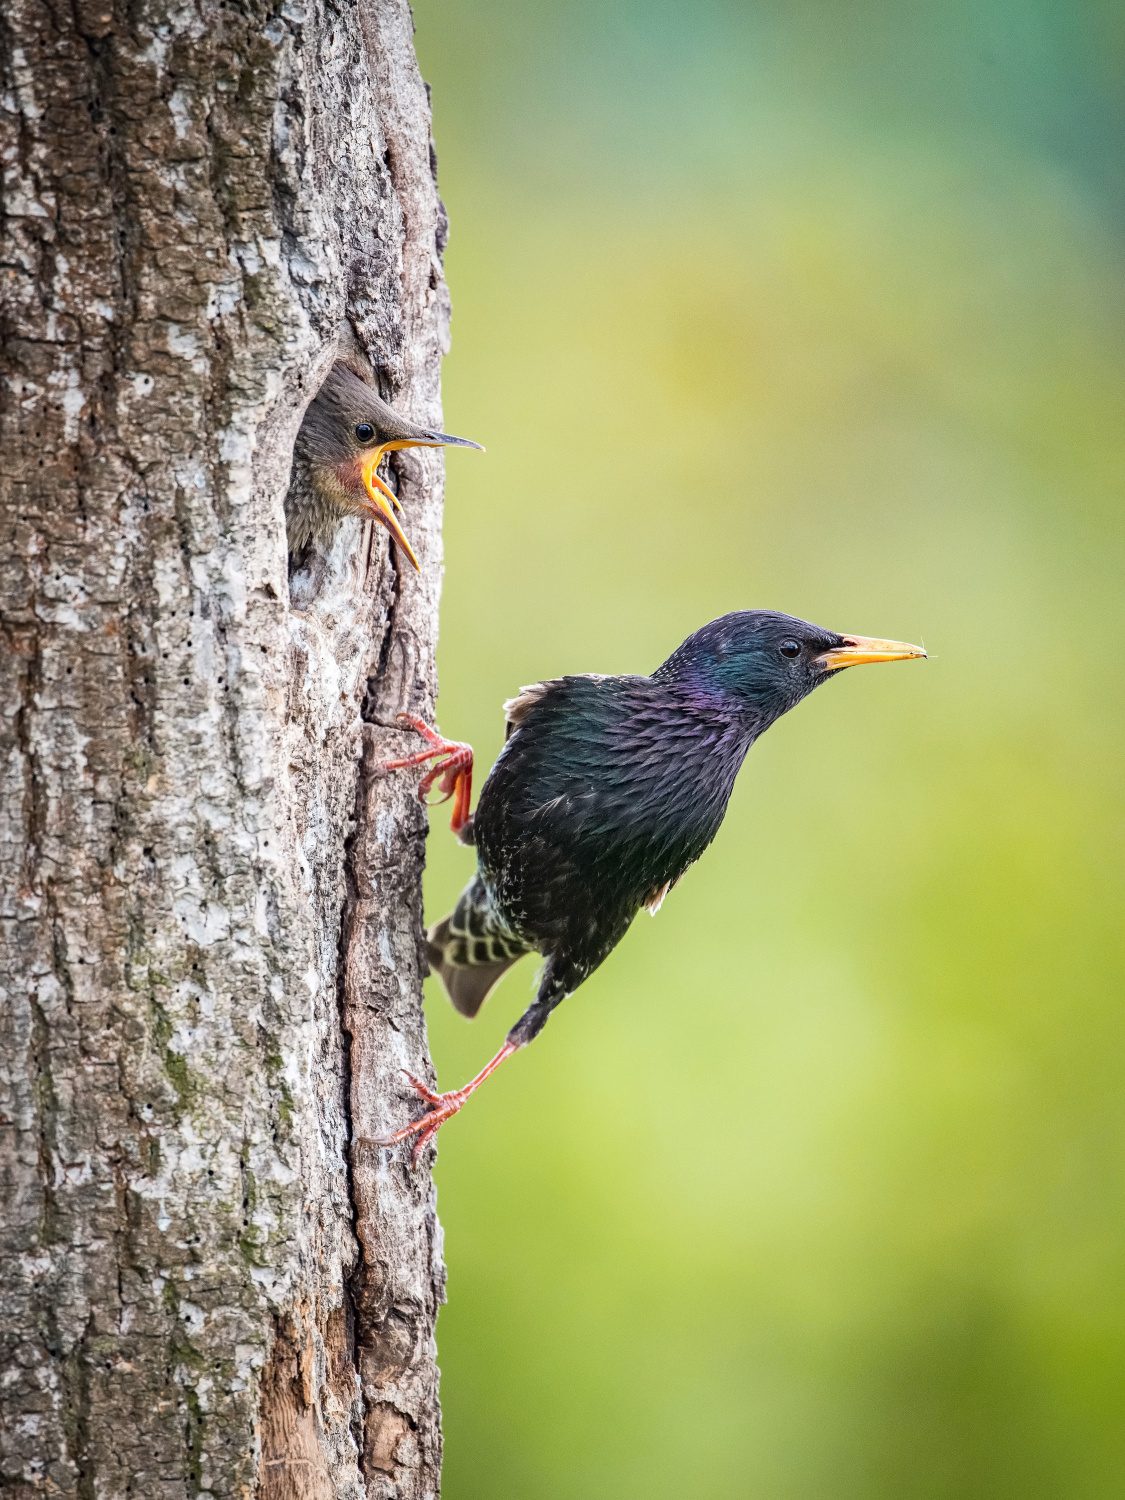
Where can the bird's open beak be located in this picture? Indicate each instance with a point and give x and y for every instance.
(383, 500)
(858, 649)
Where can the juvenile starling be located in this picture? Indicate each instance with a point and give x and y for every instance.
(345, 433)
(606, 790)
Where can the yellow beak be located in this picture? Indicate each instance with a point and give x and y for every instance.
(858, 649)
(382, 499)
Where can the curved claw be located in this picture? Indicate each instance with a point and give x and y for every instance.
(421, 1089)
(452, 770)
(444, 1107)
(422, 1142)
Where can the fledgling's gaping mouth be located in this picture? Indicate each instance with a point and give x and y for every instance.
(858, 649)
(383, 498)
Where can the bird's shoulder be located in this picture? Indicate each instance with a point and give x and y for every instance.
(552, 692)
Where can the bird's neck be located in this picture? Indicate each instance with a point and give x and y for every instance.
(680, 748)
(740, 721)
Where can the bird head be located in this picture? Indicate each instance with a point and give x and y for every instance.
(344, 435)
(768, 662)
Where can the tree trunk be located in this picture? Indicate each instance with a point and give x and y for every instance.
(212, 915)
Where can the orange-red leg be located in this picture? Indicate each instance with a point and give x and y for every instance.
(452, 769)
(445, 1106)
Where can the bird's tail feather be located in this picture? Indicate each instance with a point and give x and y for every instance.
(471, 949)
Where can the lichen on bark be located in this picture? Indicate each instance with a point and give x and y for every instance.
(211, 911)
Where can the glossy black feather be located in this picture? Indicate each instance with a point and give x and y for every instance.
(608, 788)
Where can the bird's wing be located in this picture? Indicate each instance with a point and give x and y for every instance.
(517, 709)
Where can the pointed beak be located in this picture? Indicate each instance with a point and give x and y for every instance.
(433, 440)
(858, 649)
(383, 499)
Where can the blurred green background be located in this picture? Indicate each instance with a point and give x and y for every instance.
(815, 1190)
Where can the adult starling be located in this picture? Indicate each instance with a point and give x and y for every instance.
(606, 790)
(344, 434)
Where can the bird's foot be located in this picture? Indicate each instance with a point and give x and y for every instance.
(452, 770)
(444, 1107)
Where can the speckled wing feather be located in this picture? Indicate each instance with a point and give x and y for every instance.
(472, 949)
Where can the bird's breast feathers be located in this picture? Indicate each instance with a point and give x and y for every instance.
(615, 779)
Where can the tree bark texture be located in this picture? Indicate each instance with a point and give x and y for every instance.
(211, 905)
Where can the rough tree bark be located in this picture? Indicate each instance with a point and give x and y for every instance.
(211, 961)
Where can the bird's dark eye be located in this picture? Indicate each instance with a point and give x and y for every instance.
(790, 649)
(364, 432)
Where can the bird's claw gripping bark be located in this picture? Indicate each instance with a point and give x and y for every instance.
(422, 1091)
(443, 1107)
(452, 770)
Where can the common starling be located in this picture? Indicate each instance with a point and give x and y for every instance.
(606, 790)
(344, 434)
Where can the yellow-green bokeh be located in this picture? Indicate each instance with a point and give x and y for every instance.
(816, 1190)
